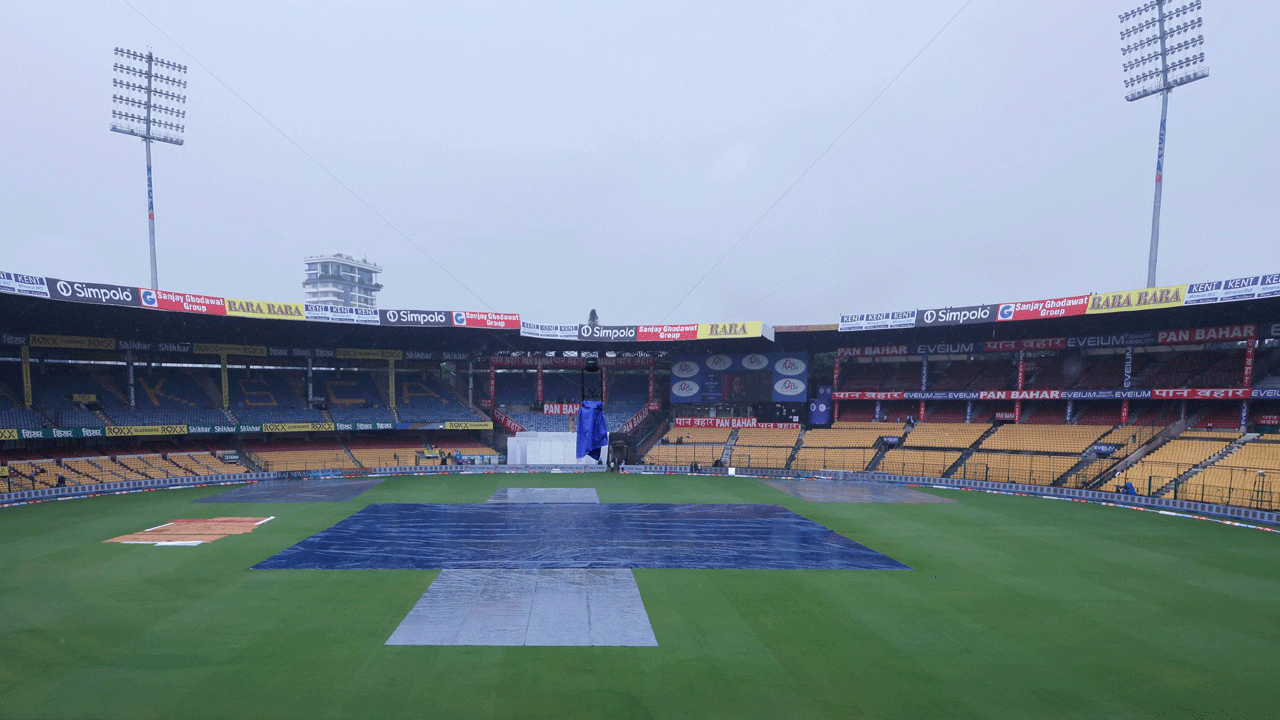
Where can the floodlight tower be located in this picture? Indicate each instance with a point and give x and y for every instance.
(1158, 65)
(147, 100)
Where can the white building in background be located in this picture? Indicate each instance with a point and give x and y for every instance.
(341, 280)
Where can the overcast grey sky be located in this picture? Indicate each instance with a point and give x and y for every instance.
(562, 156)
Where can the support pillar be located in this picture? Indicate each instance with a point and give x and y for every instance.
(651, 383)
(604, 384)
(226, 392)
(1070, 408)
(1244, 414)
(1124, 411)
(537, 386)
(1022, 375)
(1250, 351)
(391, 381)
(26, 376)
(1128, 367)
(133, 397)
(311, 388)
(471, 381)
(968, 411)
(877, 411)
(493, 384)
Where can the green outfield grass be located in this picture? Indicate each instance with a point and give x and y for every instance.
(1016, 608)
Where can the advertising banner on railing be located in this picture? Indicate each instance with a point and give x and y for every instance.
(561, 408)
(998, 346)
(339, 314)
(648, 333)
(50, 433)
(182, 302)
(1043, 309)
(970, 315)
(1145, 299)
(1236, 289)
(265, 310)
(1267, 419)
(18, 284)
(548, 332)
(297, 427)
(731, 422)
(511, 425)
(722, 331)
(874, 351)
(1200, 394)
(864, 395)
(756, 377)
(491, 320)
(92, 293)
(1225, 333)
(468, 425)
(607, 333)
(368, 354)
(353, 426)
(71, 341)
(415, 318)
(877, 321)
(143, 430)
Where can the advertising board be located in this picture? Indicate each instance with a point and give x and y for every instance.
(607, 333)
(1145, 299)
(755, 377)
(969, 315)
(93, 293)
(491, 320)
(265, 310)
(877, 321)
(339, 314)
(415, 318)
(19, 284)
(648, 333)
(548, 332)
(182, 302)
(1043, 309)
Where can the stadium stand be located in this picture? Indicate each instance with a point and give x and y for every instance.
(767, 437)
(833, 458)
(718, 436)
(683, 454)
(945, 435)
(1043, 438)
(1168, 462)
(165, 396)
(926, 463)
(1033, 468)
(284, 456)
(1250, 476)
(372, 453)
(425, 400)
(759, 456)
(259, 396)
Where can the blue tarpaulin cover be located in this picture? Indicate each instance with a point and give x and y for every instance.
(593, 434)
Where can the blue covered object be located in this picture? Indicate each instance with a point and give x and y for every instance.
(577, 535)
(593, 433)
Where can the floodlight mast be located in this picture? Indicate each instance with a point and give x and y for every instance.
(1140, 80)
(144, 126)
